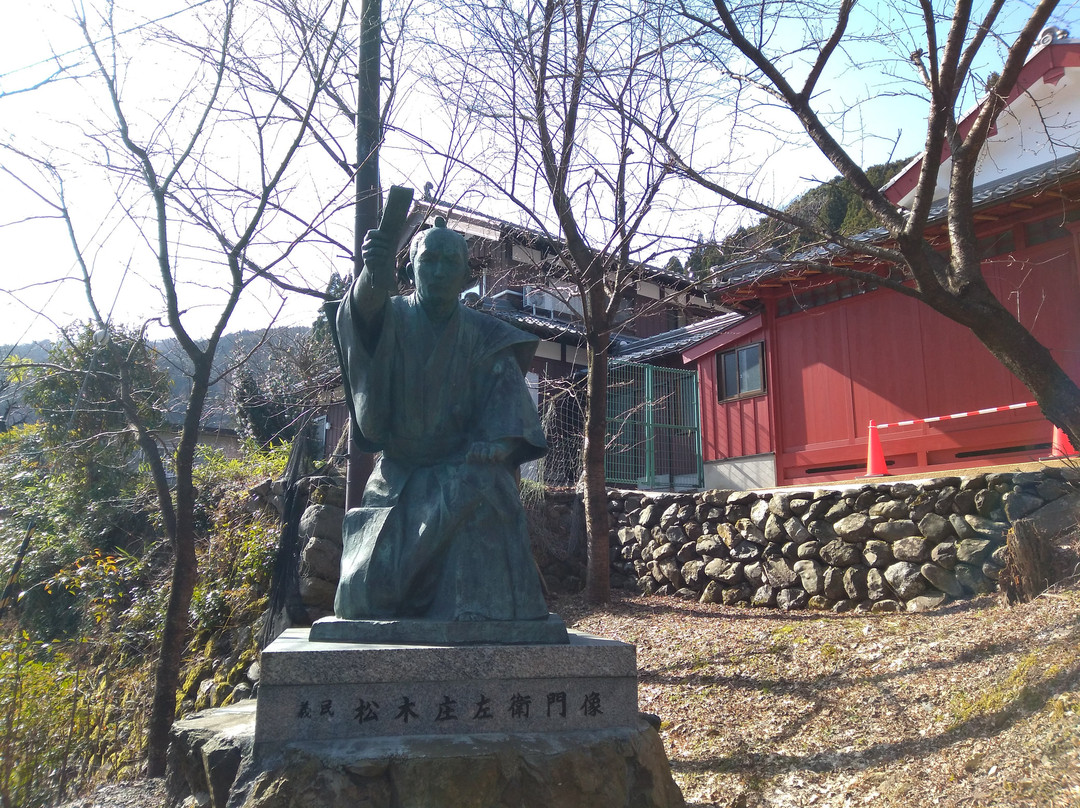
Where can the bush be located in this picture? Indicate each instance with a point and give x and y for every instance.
(76, 667)
(65, 718)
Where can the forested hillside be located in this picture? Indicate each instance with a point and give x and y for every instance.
(833, 204)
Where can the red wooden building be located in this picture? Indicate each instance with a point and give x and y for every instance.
(787, 392)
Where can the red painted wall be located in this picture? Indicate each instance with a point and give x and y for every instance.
(736, 428)
(885, 356)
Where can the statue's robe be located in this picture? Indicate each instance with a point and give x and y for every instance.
(437, 537)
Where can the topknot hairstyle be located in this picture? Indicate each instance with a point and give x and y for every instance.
(440, 224)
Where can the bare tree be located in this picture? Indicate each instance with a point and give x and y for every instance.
(199, 184)
(548, 89)
(945, 51)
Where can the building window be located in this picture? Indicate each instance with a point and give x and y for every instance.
(1040, 232)
(741, 372)
(1045, 230)
(676, 317)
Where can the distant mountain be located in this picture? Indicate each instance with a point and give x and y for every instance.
(241, 347)
(34, 351)
(248, 347)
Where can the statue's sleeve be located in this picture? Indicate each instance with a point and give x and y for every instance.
(509, 411)
(365, 371)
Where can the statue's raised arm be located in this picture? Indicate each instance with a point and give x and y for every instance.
(377, 280)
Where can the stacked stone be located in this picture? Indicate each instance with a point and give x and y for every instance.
(881, 547)
(557, 532)
(320, 537)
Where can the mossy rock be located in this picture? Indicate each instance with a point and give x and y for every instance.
(190, 688)
(238, 673)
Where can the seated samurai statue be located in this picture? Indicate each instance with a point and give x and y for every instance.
(439, 390)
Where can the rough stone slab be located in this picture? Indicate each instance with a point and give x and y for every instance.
(620, 767)
(207, 750)
(439, 632)
(311, 691)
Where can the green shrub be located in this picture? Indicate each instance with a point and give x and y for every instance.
(65, 718)
(76, 667)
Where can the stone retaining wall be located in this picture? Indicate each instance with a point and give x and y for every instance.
(880, 547)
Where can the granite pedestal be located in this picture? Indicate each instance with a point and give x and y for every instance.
(338, 690)
(211, 759)
(441, 632)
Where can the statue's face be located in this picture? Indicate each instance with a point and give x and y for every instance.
(440, 268)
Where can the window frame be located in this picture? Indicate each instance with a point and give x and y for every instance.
(722, 376)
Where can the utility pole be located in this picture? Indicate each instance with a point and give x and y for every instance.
(368, 195)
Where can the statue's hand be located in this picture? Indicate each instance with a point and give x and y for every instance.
(496, 451)
(379, 260)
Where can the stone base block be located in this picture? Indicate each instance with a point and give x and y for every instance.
(438, 632)
(617, 767)
(314, 690)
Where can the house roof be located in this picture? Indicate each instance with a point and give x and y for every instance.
(484, 225)
(623, 348)
(1026, 183)
(1047, 62)
(534, 323)
(678, 339)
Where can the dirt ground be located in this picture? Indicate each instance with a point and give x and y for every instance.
(971, 706)
(976, 704)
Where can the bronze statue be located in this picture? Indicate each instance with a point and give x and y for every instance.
(439, 390)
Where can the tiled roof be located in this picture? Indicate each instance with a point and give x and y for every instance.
(1022, 183)
(530, 235)
(534, 323)
(677, 340)
(626, 349)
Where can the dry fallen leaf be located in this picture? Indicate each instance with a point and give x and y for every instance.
(975, 704)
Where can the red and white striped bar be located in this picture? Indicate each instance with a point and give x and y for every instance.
(956, 415)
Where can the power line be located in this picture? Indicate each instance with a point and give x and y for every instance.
(134, 28)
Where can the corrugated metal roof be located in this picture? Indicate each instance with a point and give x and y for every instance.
(678, 339)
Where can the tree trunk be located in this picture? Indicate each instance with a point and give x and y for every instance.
(1032, 363)
(185, 573)
(1019, 351)
(173, 637)
(1028, 569)
(598, 570)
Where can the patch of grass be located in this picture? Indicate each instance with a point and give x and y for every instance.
(1015, 687)
(829, 652)
(1064, 705)
(781, 641)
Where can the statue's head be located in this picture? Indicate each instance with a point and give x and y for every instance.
(439, 263)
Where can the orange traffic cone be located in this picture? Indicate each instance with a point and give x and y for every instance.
(1060, 446)
(875, 457)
